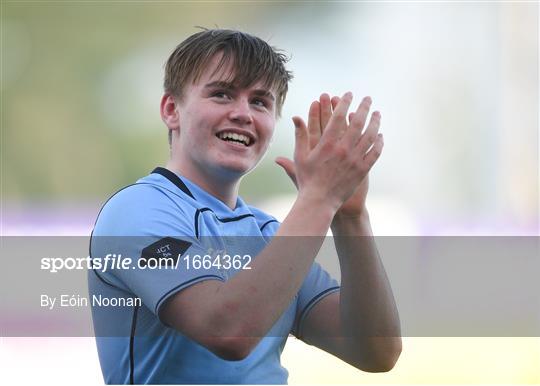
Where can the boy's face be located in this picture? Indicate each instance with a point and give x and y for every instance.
(224, 131)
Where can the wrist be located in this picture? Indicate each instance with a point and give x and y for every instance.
(320, 205)
(348, 215)
(357, 224)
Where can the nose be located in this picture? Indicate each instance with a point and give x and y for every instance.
(240, 112)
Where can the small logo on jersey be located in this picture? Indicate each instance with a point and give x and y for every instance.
(163, 253)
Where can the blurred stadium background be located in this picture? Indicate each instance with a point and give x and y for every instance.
(457, 85)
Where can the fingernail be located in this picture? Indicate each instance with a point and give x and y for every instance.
(367, 99)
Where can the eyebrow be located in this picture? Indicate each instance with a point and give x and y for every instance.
(230, 86)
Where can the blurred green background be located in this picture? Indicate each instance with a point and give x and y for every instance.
(81, 88)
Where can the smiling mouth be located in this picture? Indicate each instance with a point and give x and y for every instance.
(233, 137)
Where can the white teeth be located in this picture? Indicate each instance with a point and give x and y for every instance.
(236, 137)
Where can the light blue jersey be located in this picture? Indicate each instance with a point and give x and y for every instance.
(164, 218)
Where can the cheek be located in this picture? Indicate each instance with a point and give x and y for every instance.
(267, 125)
(193, 127)
(270, 137)
(209, 119)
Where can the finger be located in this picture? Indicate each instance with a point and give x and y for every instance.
(301, 139)
(314, 124)
(369, 137)
(334, 101)
(351, 116)
(289, 168)
(338, 122)
(374, 153)
(326, 110)
(360, 115)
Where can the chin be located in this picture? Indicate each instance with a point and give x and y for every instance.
(236, 165)
(234, 170)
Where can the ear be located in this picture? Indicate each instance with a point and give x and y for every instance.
(169, 112)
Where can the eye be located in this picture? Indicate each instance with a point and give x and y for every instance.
(220, 95)
(260, 102)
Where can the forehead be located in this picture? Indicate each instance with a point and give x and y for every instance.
(226, 72)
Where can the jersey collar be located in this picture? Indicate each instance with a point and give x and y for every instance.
(174, 179)
(201, 196)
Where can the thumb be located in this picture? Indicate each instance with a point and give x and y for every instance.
(289, 168)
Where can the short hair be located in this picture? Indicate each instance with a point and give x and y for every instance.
(252, 59)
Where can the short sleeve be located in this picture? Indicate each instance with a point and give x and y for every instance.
(144, 227)
(317, 284)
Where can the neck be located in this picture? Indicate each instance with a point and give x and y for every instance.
(225, 190)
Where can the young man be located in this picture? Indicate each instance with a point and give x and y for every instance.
(233, 287)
